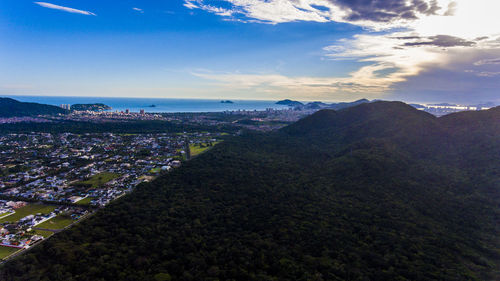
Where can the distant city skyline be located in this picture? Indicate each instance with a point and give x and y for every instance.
(424, 51)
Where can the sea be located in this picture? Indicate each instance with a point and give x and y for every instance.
(157, 104)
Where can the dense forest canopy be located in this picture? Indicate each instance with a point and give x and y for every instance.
(13, 108)
(380, 191)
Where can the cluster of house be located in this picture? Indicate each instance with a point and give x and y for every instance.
(74, 172)
(54, 167)
(17, 239)
(446, 108)
(109, 116)
(18, 233)
(11, 120)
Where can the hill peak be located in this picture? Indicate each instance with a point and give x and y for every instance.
(381, 114)
(13, 108)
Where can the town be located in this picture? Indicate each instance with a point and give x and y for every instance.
(50, 181)
(263, 120)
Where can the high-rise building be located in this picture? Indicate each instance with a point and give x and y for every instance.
(65, 106)
(127, 111)
(142, 111)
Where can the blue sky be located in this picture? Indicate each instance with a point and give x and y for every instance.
(328, 50)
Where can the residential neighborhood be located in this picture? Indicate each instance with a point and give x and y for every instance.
(50, 181)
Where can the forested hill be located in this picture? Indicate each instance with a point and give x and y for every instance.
(13, 108)
(379, 191)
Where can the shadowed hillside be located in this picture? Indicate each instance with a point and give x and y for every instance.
(13, 108)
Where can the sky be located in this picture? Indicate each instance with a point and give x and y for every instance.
(328, 50)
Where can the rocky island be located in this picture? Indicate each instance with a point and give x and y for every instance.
(289, 102)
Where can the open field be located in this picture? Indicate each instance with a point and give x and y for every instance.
(6, 214)
(98, 180)
(7, 251)
(58, 222)
(196, 149)
(27, 210)
(84, 201)
(155, 170)
(44, 233)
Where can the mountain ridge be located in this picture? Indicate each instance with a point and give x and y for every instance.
(12, 108)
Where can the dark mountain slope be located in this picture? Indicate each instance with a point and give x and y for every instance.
(342, 105)
(13, 108)
(476, 136)
(380, 122)
(376, 119)
(292, 206)
(473, 121)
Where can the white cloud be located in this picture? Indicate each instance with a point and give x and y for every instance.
(138, 10)
(462, 30)
(65, 9)
(190, 4)
(494, 61)
(377, 15)
(302, 87)
(274, 11)
(488, 74)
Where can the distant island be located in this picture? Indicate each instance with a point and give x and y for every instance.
(316, 105)
(289, 102)
(13, 108)
(343, 105)
(90, 107)
(226, 101)
(153, 105)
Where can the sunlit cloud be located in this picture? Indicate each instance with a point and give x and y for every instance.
(65, 9)
(207, 7)
(302, 87)
(402, 39)
(371, 13)
(138, 10)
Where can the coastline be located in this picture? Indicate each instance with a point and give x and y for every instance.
(161, 105)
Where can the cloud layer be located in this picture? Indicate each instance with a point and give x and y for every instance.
(387, 10)
(403, 40)
(372, 13)
(439, 41)
(65, 9)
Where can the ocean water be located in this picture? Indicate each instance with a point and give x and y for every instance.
(160, 104)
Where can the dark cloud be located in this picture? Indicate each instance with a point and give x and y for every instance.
(481, 38)
(387, 10)
(442, 41)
